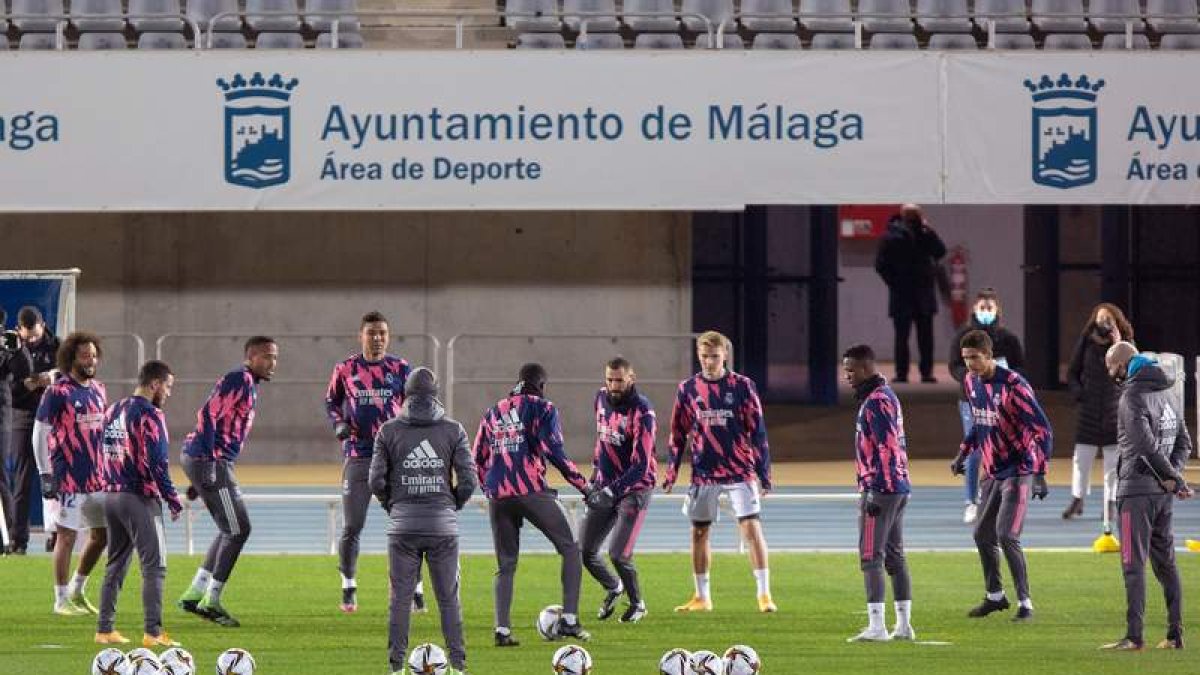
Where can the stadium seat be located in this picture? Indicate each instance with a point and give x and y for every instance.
(1014, 41)
(663, 21)
(99, 41)
(1067, 41)
(595, 24)
(776, 41)
(728, 41)
(767, 11)
(826, 7)
(37, 41)
(833, 41)
(345, 40)
(1009, 15)
(600, 41)
(717, 11)
(519, 15)
(279, 41)
(1117, 41)
(1169, 16)
(952, 41)
(658, 41)
(35, 8)
(161, 41)
(540, 41)
(273, 23)
(204, 10)
(888, 8)
(81, 10)
(1179, 41)
(1107, 10)
(227, 41)
(143, 25)
(1057, 23)
(894, 41)
(943, 16)
(342, 10)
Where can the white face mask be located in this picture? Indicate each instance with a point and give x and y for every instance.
(984, 317)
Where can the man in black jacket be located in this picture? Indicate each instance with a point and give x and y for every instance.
(39, 346)
(14, 365)
(907, 261)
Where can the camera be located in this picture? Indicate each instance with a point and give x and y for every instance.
(10, 341)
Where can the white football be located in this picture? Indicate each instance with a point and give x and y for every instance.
(572, 660)
(139, 653)
(427, 659)
(547, 622)
(741, 660)
(675, 662)
(145, 665)
(110, 662)
(177, 661)
(705, 662)
(235, 662)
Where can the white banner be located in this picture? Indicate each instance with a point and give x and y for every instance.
(1073, 128)
(461, 130)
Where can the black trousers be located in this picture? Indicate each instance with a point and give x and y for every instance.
(903, 325)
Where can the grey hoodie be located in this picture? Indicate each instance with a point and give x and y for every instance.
(422, 471)
(1151, 434)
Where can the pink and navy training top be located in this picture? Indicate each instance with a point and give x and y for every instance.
(880, 448)
(515, 438)
(135, 451)
(1009, 428)
(624, 457)
(722, 422)
(365, 394)
(224, 421)
(75, 414)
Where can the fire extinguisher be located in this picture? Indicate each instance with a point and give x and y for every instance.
(960, 306)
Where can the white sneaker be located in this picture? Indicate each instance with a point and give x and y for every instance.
(68, 609)
(871, 635)
(904, 633)
(970, 512)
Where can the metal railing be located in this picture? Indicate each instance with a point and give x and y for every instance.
(139, 355)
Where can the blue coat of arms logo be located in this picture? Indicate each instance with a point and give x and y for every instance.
(1064, 131)
(257, 130)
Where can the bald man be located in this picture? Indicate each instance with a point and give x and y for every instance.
(1153, 444)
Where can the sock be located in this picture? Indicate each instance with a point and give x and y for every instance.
(570, 619)
(420, 589)
(701, 586)
(763, 578)
(212, 596)
(78, 585)
(503, 630)
(200, 582)
(903, 613)
(60, 594)
(996, 597)
(348, 582)
(1027, 603)
(875, 616)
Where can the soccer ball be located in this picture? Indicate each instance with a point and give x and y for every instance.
(176, 661)
(145, 665)
(675, 662)
(705, 662)
(572, 660)
(427, 659)
(140, 653)
(110, 662)
(547, 622)
(741, 660)
(235, 662)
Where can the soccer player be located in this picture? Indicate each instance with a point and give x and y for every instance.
(515, 438)
(134, 468)
(421, 472)
(881, 461)
(209, 453)
(365, 391)
(67, 439)
(1015, 439)
(624, 473)
(1154, 446)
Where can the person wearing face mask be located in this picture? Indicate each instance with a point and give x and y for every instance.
(1097, 396)
(907, 261)
(986, 314)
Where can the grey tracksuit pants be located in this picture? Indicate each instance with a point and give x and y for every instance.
(1145, 522)
(134, 523)
(544, 511)
(1002, 508)
(881, 547)
(405, 553)
(222, 497)
(356, 499)
(624, 520)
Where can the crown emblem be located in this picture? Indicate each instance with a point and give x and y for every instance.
(1064, 87)
(257, 86)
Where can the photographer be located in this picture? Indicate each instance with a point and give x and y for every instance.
(13, 361)
(37, 349)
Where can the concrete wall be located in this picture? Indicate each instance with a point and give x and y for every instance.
(994, 238)
(439, 274)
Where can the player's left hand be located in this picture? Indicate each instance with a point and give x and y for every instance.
(1185, 493)
(870, 506)
(1040, 489)
(192, 493)
(601, 500)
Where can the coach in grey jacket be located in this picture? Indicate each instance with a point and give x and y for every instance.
(1154, 444)
(422, 473)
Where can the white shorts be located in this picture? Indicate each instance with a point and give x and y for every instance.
(81, 512)
(702, 502)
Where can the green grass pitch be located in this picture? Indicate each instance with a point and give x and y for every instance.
(289, 609)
